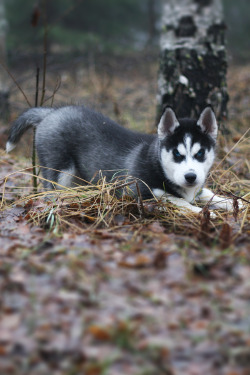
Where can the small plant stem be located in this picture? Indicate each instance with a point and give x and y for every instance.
(37, 85)
(34, 136)
(140, 202)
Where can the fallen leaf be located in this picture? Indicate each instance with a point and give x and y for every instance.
(136, 261)
(100, 332)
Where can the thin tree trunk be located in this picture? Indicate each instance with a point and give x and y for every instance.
(193, 61)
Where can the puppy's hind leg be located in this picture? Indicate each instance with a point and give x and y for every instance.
(54, 179)
(66, 178)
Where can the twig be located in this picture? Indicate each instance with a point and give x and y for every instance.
(140, 202)
(56, 88)
(16, 83)
(234, 195)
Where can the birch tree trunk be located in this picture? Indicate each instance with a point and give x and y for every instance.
(193, 61)
(4, 88)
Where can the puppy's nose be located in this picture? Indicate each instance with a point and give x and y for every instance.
(190, 177)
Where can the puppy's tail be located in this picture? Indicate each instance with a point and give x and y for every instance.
(31, 117)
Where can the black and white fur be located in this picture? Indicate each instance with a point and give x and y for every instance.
(173, 165)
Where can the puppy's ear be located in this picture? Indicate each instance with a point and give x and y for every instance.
(207, 122)
(168, 123)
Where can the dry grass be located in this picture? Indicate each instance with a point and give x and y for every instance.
(84, 208)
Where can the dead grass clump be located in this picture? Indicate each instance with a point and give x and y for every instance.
(110, 205)
(97, 204)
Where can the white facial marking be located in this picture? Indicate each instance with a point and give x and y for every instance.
(196, 147)
(187, 143)
(182, 150)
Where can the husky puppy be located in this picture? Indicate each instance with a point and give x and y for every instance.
(173, 165)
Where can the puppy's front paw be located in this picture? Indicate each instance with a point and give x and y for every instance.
(227, 204)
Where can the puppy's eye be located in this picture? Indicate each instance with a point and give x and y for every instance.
(178, 157)
(200, 153)
(176, 153)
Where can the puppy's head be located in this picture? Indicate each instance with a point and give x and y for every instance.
(187, 147)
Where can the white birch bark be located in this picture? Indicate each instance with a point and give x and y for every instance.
(193, 61)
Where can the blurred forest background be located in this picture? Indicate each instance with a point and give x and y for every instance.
(85, 26)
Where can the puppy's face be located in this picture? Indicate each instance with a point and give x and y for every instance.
(187, 148)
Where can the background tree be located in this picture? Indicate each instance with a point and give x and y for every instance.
(193, 61)
(4, 90)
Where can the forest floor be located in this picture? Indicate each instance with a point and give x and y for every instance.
(94, 285)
